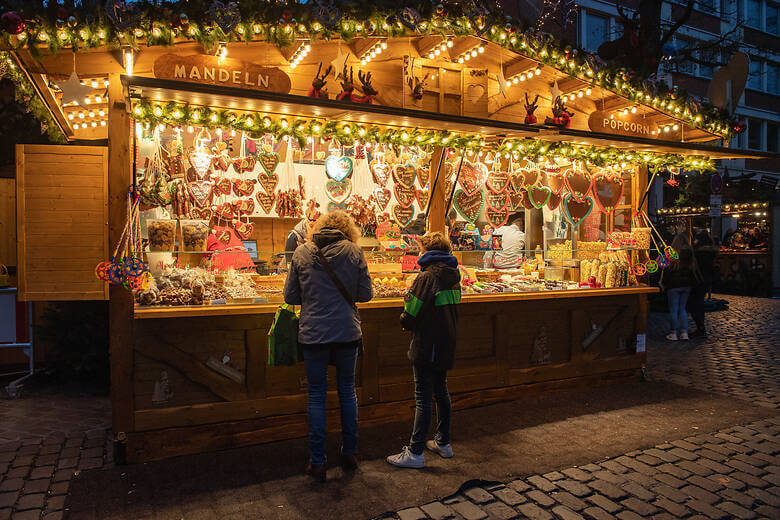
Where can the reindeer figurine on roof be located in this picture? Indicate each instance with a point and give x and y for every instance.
(348, 87)
(318, 89)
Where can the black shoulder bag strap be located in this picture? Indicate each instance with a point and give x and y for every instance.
(340, 286)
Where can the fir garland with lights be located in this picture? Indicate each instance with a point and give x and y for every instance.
(115, 24)
(258, 124)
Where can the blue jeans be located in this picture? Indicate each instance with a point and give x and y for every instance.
(429, 383)
(316, 360)
(677, 299)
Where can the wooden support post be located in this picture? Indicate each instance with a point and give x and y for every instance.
(120, 299)
(437, 207)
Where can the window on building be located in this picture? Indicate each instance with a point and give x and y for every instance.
(755, 77)
(772, 143)
(596, 31)
(710, 6)
(755, 131)
(688, 67)
(750, 11)
(709, 59)
(771, 78)
(771, 19)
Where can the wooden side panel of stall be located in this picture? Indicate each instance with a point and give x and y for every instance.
(8, 222)
(62, 215)
(203, 383)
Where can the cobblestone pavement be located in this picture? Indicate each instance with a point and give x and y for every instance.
(733, 473)
(44, 441)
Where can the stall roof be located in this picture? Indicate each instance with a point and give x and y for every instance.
(163, 90)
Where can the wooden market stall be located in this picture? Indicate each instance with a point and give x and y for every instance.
(247, 123)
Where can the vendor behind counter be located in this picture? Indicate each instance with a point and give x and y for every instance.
(512, 244)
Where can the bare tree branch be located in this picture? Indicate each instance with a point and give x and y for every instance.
(679, 23)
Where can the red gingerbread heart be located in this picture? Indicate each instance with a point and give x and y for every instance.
(405, 195)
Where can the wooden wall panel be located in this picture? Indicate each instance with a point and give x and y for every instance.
(62, 221)
(8, 222)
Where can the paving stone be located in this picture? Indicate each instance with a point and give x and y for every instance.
(700, 494)
(542, 483)
(533, 512)
(31, 514)
(614, 478)
(768, 512)
(736, 510)
(44, 472)
(709, 454)
(750, 480)
(596, 513)
(591, 468)
(8, 499)
(13, 484)
(738, 497)
(669, 480)
(519, 485)
(608, 489)
(706, 509)
(412, 513)
(765, 497)
(643, 508)
(479, 495)
(749, 459)
(438, 511)
(674, 508)
(649, 460)
(669, 492)
(695, 468)
(37, 486)
(18, 472)
(614, 467)
(628, 515)
(674, 470)
(565, 513)
(60, 488)
(634, 464)
(575, 488)
(603, 502)
(577, 474)
(568, 500)
(55, 503)
(509, 496)
(31, 501)
(500, 511)
(553, 475)
(468, 510)
(639, 478)
(540, 498)
(53, 515)
(715, 467)
(684, 454)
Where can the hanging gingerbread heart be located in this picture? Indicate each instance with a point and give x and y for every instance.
(423, 174)
(224, 236)
(577, 182)
(225, 211)
(405, 195)
(498, 201)
(403, 215)
(244, 164)
(202, 192)
(516, 180)
(526, 200)
(608, 190)
(222, 184)
(201, 213)
(269, 161)
(200, 162)
(268, 181)
(244, 187)
(469, 206)
(243, 229)
(404, 174)
(555, 200)
(555, 179)
(498, 182)
(382, 198)
(338, 168)
(380, 172)
(497, 217)
(576, 210)
(472, 177)
(515, 199)
(338, 191)
(266, 201)
(539, 195)
(423, 196)
(244, 206)
(530, 174)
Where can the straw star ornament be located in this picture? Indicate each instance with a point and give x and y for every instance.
(73, 90)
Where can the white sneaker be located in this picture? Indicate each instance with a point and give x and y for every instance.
(444, 452)
(407, 459)
(684, 335)
(672, 336)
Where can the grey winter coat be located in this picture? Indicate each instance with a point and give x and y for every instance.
(326, 317)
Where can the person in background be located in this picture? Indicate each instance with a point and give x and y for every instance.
(328, 274)
(704, 253)
(431, 313)
(512, 243)
(297, 237)
(226, 250)
(417, 227)
(677, 280)
(452, 229)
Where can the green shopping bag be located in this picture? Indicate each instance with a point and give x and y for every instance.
(283, 338)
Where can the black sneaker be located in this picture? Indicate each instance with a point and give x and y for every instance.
(317, 472)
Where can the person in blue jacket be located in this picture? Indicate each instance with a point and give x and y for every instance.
(431, 313)
(329, 327)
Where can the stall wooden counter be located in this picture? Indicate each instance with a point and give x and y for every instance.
(509, 345)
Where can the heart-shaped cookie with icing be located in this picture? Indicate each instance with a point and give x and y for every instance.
(472, 177)
(423, 174)
(201, 213)
(498, 182)
(515, 199)
(269, 161)
(202, 192)
(244, 187)
(403, 215)
(338, 191)
(224, 236)
(555, 200)
(266, 201)
(243, 229)
(404, 174)
(555, 179)
(608, 190)
(244, 206)
(577, 182)
(497, 201)
(268, 181)
(404, 195)
(380, 172)
(469, 206)
(382, 198)
(539, 195)
(423, 196)
(200, 162)
(225, 211)
(222, 184)
(338, 168)
(526, 200)
(576, 210)
(497, 217)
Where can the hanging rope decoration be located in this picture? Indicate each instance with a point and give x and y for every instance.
(125, 268)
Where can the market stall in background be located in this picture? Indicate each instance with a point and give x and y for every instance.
(745, 258)
(229, 129)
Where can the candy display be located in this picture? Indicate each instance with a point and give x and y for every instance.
(162, 235)
(589, 250)
(194, 234)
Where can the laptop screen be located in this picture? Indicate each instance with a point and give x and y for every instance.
(251, 248)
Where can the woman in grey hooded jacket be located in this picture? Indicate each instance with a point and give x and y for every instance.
(329, 328)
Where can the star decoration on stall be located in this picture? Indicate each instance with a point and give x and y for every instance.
(338, 63)
(555, 92)
(73, 90)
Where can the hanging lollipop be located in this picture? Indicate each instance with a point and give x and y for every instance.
(101, 271)
(134, 267)
(662, 261)
(670, 253)
(640, 269)
(651, 266)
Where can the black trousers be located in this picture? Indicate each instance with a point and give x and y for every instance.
(696, 305)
